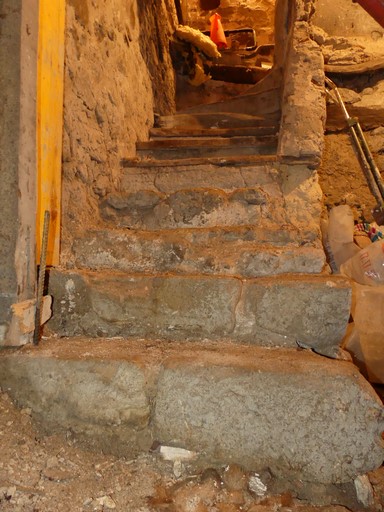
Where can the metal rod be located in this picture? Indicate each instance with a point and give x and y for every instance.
(370, 169)
(375, 170)
(41, 280)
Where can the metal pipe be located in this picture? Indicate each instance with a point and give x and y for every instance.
(41, 280)
(371, 171)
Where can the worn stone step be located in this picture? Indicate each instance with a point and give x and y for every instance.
(238, 252)
(299, 415)
(197, 207)
(206, 147)
(284, 310)
(215, 161)
(186, 131)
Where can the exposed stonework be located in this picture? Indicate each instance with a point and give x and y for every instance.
(247, 251)
(302, 127)
(118, 73)
(273, 311)
(300, 415)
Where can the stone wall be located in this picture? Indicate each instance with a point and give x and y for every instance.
(258, 14)
(117, 74)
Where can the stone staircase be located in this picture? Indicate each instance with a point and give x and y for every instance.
(185, 314)
(198, 312)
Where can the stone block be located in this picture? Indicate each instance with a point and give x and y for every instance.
(197, 207)
(300, 415)
(168, 179)
(115, 304)
(309, 311)
(303, 416)
(97, 399)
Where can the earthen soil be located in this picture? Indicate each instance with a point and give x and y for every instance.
(41, 473)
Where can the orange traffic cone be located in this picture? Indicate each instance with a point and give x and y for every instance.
(217, 31)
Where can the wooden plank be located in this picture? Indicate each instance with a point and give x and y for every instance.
(49, 122)
(186, 131)
(230, 161)
(201, 143)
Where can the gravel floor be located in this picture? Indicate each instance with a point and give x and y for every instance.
(53, 473)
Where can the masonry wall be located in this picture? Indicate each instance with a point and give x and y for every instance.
(257, 14)
(117, 74)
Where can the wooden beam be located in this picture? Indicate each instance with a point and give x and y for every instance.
(50, 121)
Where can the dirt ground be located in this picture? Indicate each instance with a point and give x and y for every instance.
(40, 473)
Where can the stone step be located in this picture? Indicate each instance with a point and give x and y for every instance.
(284, 310)
(291, 412)
(198, 147)
(215, 161)
(240, 252)
(186, 131)
(196, 207)
(216, 120)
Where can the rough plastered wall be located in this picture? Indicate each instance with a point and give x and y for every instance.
(117, 74)
(345, 18)
(257, 14)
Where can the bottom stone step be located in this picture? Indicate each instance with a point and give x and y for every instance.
(296, 413)
(284, 310)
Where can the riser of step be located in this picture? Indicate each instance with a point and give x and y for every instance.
(256, 131)
(147, 150)
(170, 178)
(227, 403)
(216, 120)
(281, 311)
(191, 252)
(147, 209)
(207, 146)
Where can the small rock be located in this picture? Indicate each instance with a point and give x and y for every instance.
(349, 96)
(52, 462)
(234, 478)
(10, 492)
(178, 468)
(175, 453)
(211, 475)
(27, 411)
(106, 501)
(318, 35)
(364, 490)
(256, 486)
